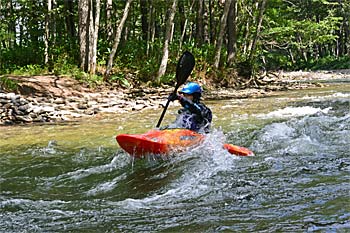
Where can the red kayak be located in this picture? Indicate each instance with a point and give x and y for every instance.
(164, 142)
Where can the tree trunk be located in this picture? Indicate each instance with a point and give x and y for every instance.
(33, 27)
(221, 33)
(183, 28)
(21, 33)
(211, 22)
(94, 38)
(117, 39)
(199, 31)
(258, 28)
(206, 27)
(183, 17)
(151, 29)
(163, 64)
(109, 10)
(232, 33)
(68, 4)
(144, 19)
(47, 32)
(12, 25)
(83, 33)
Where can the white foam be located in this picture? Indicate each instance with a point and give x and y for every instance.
(82, 173)
(330, 96)
(106, 186)
(294, 112)
(28, 202)
(341, 95)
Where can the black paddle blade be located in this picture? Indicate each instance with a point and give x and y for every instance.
(184, 68)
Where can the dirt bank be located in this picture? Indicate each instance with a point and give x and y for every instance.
(51, 98)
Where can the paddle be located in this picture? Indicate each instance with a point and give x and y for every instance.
(183, 70)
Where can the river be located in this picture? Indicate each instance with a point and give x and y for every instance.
(73, 177)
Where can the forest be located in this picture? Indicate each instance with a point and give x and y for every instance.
(124, 41)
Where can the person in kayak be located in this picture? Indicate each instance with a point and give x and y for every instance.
(194, 115)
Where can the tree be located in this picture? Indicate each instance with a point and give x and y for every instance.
(84, 33)
(232, 33)
(220, 38)
(109, 27)
(47, 31)
(184, 23)
(200, 24)
(94, 37)
(259, 20)
(117, 39)
(69, 19)
(168, 34)
(88, 34)
(277, 34)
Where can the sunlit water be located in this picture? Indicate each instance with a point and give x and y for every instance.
(74, 177)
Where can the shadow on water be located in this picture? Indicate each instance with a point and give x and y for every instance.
(76, 178)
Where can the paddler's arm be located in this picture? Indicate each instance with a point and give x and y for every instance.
(188, 104)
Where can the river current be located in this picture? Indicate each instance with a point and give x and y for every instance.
(73, 177)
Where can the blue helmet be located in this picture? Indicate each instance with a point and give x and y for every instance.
(191, 88)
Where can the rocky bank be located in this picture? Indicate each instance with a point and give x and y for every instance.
(55, 99)
(18, 108)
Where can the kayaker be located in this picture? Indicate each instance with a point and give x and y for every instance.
(194, 115)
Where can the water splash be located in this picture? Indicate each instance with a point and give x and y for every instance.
(294, 112)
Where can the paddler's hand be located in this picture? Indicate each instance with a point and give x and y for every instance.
(173, 96)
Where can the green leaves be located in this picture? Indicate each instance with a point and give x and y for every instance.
(294, 35)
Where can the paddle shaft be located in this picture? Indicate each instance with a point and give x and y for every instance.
(164, 110)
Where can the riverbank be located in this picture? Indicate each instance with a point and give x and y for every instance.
(55, 99)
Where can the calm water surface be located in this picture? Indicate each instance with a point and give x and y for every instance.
(74, 177)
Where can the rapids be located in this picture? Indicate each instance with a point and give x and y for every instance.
(73, 177)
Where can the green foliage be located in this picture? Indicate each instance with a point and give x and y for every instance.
(12, 58)
(65, 65)
(330, 63)
(88, 79)
(8, 84)
(167, 78)
(295, 35)
(29, 70)
(120, 79)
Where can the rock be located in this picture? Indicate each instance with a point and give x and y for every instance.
(82, 106)
(76, 115)
(91, 111)
(45, 109)
(8, 122)
(91, 103)
(24, 118)
(4, 100)
(59, 101)
(48, 109)
(138, 107)
(24, 108)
